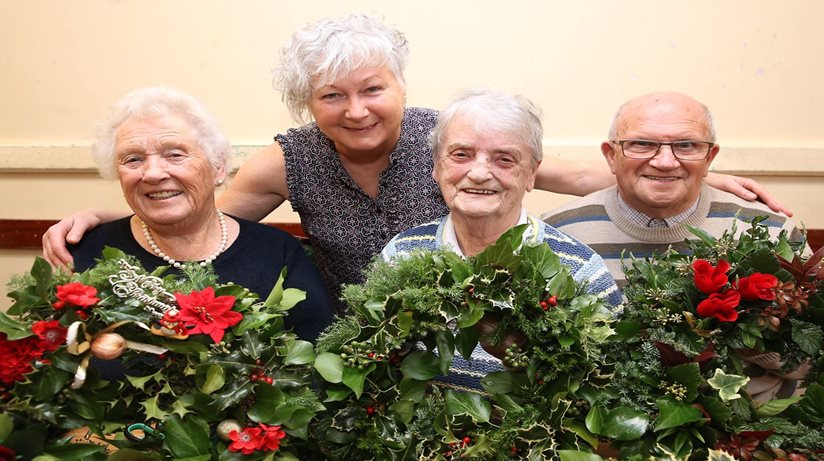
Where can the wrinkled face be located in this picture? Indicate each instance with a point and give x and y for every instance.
(166, 178)
(662, 186)
(362, 112)
(483, 174)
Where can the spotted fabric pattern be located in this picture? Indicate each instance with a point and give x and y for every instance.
(346, 226)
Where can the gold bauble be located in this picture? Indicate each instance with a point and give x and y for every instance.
(108, 346)
(225, 427)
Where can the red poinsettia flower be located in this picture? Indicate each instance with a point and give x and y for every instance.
(246, 441)
(52, 333)
(76, 294)
(721, 306)
(758, 286)
(710, 279)
(203, 313)
(271, 437)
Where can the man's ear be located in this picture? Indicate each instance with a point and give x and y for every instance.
(713, 152)
(607, 149)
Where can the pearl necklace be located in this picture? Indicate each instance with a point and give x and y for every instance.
(224, 238)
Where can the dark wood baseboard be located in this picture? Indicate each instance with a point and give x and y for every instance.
(27, 234)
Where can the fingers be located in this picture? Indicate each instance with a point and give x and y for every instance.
(757, 192)
(54, 245)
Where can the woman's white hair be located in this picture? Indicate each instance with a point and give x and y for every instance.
(159, 101)
(493, 110)
(330, 49)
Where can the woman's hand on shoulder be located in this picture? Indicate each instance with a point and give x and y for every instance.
(69, 230)
(747, 189)
(258, 187)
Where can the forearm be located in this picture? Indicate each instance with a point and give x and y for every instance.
(574, 178)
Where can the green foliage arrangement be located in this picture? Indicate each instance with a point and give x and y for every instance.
(211, 372)
(692, 327)
(384, 365)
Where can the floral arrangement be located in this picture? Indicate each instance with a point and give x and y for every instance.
(199, 370)
(386, 366)
(700, 334)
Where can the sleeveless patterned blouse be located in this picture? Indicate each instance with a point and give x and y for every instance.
(347, 227)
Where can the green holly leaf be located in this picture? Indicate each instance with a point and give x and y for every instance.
(498, 382)
(689, 376)
(404, 409)
(267, 400)
(330, 366)
(812, 405)
(465, 341)
(152, 410)
(411, 389)
(461, 403)
(727, 385)
(673, 414)
(573, 455)
(446, 349)
(421, 365)
(299, 353)
(594, 419)
(13, 329)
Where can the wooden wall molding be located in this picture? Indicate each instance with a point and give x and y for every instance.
(27, 234)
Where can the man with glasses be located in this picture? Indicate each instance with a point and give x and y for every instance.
(660, 148)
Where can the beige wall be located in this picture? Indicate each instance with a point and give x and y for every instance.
(755, 63)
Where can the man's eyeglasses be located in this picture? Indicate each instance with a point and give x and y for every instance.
(682, 150)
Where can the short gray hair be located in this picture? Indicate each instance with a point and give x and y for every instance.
(613, 126)
(494, 110)
(329, 49)
(159, 101)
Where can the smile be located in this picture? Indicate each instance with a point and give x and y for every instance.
(480, 191)
(662, 178)
(163, 195)
(364, 129)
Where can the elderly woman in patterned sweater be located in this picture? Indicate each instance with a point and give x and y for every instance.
(361, 172)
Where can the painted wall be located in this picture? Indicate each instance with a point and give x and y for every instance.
(754, 63)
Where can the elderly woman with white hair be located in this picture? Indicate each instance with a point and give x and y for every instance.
(361, 172)
(169, 155)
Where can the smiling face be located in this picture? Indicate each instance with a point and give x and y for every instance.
(362, 112)
(166, 178)
(662, 186)
(484, 174)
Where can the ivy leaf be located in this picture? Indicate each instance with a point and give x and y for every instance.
(411, 389)
(299, 353)
(267, 400)
(727, 385)
(404, 409)
(775, 407)
(594, 420)
(812, 405)
(421, 365)
(674, 414)
(574, 455)
(186, 438)
(465, 341)
(689, 376)
(330, 366)
(460, 403)
(215, 379)
(152, 410)
(544, 260)
(354, 378)
(446, 349)
(498, 382)
(808, 336)
(624, 423)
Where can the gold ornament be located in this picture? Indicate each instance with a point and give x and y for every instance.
(225, 427)
(108, 346)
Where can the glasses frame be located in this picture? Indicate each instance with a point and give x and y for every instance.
(621, 142)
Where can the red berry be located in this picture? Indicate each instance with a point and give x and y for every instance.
(82, 315)
(514, 450)
(448, 453)
(370, 410)
(268, 379)
(467, 440)
(544, 305)
(371, 355)
(471, 290)
(552, 300)
(254, 377)
(259, 362)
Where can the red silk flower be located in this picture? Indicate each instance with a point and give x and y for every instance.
(710, 279)
(246, 441)
(758, 286)
(76, 294)
(721, 306)
(52, 334)
(203, 313)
